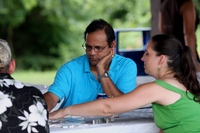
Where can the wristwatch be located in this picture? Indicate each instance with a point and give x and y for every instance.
(105, 75)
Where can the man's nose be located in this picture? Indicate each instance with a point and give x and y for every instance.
(92, 51)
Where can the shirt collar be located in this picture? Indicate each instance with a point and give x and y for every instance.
(5, 76)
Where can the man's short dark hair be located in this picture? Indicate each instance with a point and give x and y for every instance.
(100, 24)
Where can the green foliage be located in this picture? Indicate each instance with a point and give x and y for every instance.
(44, 34)
(37, 62)
(13, 13)
(197, 5)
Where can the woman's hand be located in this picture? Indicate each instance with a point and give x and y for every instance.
(58, 114)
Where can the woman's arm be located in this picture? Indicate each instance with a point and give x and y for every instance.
(141, 96)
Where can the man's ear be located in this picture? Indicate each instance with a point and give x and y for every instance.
(12, 66)
(113, 45)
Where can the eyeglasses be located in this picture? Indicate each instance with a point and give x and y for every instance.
(96, 48)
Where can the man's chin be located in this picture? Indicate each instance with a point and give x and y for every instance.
(94, 63)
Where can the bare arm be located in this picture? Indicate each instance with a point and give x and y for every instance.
(160, 24)
(109, 88)
(51, 100)
(141, 96)
(189, 17)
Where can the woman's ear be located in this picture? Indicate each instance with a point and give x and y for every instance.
(12, 66)
(162, 59)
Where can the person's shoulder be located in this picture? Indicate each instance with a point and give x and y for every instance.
(79, 60)
(187, 4)
(30, 89)
(74, 63)
(150, 86)
(14, 84)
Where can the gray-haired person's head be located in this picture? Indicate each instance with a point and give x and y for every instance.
(5, 53)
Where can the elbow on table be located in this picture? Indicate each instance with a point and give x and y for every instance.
(107, 111)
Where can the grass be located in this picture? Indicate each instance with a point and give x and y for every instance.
(34, 77)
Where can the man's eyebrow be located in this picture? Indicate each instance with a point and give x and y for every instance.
(88, 45)
(92, 46)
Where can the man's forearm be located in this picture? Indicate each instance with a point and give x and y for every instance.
(109, 88)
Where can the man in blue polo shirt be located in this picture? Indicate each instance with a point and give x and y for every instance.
(100, 70)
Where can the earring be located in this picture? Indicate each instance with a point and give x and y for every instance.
(158, 68)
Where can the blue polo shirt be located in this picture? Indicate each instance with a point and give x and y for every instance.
(75, 83)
